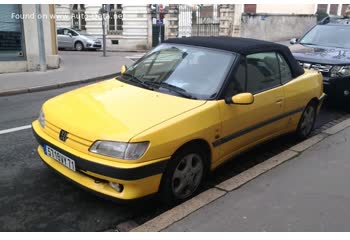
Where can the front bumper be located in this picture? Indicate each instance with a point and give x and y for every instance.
(93, 46)
(138, 181)
(335, 88)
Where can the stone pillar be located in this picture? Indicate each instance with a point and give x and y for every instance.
(239, 9)
(226, 19)
(172, 21)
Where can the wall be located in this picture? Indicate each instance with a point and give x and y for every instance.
(136, 26)
(275, 27)
(31, 62)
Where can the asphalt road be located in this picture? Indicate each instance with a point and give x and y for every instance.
(34, 198)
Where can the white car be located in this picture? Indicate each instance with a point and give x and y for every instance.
(69, 38)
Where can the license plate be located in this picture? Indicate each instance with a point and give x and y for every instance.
(64, 160)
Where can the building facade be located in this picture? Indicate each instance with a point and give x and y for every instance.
(128, 27)
(134, 27)
(19, 40)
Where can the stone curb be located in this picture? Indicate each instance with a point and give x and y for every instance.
(181, 211)
(55, 85)
(248, 175)
(340, 126)
(177, 213)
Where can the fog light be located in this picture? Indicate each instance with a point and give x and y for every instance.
(346, 92)
(116, 186)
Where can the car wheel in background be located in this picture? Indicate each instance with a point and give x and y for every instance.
(79, 46)
(307, 121)
(184, 174)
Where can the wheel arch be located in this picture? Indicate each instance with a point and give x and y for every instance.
(78, 40)
(202, 144)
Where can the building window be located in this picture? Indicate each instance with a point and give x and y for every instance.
(344, 7)
(11, 33)
(250, 8)
(115, 22)
(78, 20)
(333, 10)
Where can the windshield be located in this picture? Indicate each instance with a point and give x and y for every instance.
(182, 70)
(328, 36)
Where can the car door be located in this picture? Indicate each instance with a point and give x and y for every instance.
(66, 39)
(60, 38)
(245, 125)
(296, 94)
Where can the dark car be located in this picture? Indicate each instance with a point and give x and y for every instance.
(326, 48)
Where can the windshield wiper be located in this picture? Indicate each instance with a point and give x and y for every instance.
(308, 44)
(182, 92)
(134, 79)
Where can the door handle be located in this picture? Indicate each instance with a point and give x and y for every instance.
(279, 101)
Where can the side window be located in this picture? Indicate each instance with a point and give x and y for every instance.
(237, 85)
(286, 74)
(73, 33)
(263, 72)
(60, 31)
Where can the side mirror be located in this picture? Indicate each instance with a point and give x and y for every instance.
(241, 99)
(293, 41)
(123, 69)
(69, 34)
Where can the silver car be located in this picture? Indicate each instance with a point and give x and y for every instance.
(69, 38)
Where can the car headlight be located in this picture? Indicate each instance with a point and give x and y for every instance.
(340, 71)
(42, 118)
(121, 150)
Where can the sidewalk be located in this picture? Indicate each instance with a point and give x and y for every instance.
(311, 192)
(76, 67)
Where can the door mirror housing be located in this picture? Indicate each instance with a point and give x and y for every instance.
(241, 99)
(293, 41)
(123, 69)
(70, 35)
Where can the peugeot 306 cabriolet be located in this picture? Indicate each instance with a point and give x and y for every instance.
(179, 112)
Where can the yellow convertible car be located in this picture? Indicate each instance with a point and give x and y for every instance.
(177, 113)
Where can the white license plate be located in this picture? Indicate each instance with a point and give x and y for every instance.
(66, 161)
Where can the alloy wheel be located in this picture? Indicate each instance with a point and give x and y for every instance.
(79, 46)
(307, 121)
(187, 175)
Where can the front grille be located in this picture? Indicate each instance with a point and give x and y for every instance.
(54, 132)
(323, 68)
(316, 66)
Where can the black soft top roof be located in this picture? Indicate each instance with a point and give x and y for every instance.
(243, 46)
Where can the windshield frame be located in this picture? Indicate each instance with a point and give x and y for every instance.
(221, 85)
(323, 46)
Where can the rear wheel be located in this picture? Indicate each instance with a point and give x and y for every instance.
(184, 175)
(307, 121)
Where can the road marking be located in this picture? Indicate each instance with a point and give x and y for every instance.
(15, 129)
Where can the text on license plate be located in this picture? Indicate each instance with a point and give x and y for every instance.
(66, 161)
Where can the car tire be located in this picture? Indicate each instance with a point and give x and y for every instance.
(79, 46)
(307, 121)
(184, 175)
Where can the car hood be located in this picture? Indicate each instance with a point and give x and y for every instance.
(322, 55)
(113, 110)
(87, 38)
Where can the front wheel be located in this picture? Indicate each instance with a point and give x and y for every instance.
(184, 175)
(79, 46)
(307, 121)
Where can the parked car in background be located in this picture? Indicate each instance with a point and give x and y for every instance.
(177, 113)
(71, 39)
(326, 48)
